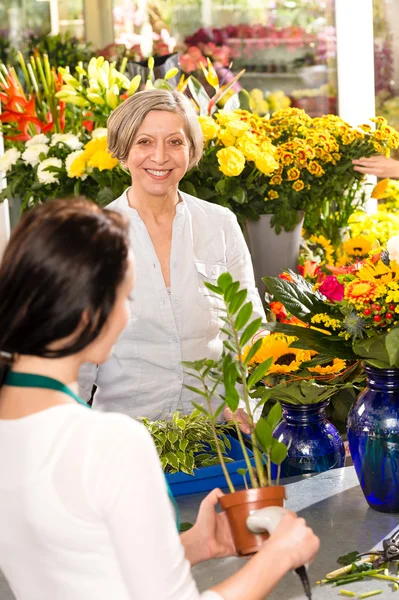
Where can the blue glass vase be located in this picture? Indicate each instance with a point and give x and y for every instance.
(373, 434)
(315, 445)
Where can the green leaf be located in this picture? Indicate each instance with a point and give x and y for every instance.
(244, 315)
(263, 434)
(237, 301)
(231, 290)
(278, 452)
(250, 331)
(275, 415)
(196, 390)
(213, 288)
(224, 281)
(392, 346)
(259, 372)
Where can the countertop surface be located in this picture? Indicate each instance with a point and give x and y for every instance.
(334, 506)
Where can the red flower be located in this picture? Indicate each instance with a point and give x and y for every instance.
(332, 289)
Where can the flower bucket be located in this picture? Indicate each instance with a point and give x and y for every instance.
(272, 253)
(240, 505)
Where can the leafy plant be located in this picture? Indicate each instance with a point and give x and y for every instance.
(231, 371)
(186, 442)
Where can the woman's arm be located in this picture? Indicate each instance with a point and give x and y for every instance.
(378, 165)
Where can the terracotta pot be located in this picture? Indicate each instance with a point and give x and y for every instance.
(240, 505)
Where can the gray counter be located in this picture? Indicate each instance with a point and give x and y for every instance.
(334, 506)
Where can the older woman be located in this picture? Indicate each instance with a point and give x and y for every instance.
(180, 243)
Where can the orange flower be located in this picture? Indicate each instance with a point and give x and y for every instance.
(298, 185)
(293, 174)
(361, 291)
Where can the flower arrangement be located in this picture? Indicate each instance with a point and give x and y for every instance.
(352, 314)
(48, 165)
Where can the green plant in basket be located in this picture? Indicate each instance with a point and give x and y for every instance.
(226, 379)
(185, 442)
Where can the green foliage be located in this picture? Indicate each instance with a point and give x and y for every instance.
(186, 442)
(230, 373)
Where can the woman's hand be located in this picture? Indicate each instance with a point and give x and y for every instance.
(211, 535)
(294, 540)
(240, 416)
(378, 165)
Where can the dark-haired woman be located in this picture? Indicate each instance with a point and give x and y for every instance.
(84, 509)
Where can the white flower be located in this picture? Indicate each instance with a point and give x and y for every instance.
(69, 139)
(99, 132)
(393, 248)
(32, 154)
(41, 138)
(78, 170)
(47, 177)
(9, 159)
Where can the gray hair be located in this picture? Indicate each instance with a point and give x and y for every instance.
(126, 120)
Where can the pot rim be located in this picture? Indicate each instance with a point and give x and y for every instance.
(273, 492)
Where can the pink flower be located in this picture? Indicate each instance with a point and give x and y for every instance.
(332, 289)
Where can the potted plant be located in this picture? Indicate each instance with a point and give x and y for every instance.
(354, 314)
(227, 380)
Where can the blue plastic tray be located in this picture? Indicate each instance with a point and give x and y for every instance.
(209, 478)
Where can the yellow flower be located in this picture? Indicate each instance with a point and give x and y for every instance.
(357, 246)
(76, 164)
(337, 366)
(209, 127)
(246, 143)
(272, 194)
(231, 161)
(298, 185)
(276, 180)
(315, 169)
(226, 137)
(237, 127)
(361, 292)
(102, 160)
(266, 164)
(293, 174)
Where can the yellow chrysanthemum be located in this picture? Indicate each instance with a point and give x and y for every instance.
(337, 366)
(357, 246)
(361, 292)
(231, 161)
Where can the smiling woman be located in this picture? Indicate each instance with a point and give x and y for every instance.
(180, 243)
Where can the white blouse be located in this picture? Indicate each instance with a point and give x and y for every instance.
(84, 511)
(144, 376)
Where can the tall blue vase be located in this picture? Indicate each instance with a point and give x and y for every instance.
(315, 445)
(373, 434)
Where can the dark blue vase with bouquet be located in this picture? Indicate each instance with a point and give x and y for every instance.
(314, 444)
(373, 434)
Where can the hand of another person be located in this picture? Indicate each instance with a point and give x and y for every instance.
(294, 540)
(240, 416)
(377, 165)
(211, 535)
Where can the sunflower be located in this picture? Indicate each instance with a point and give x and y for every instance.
(285, 358)
(322, 247)
(361, 292)
(357, 246)
(378, 273)
(335, 366)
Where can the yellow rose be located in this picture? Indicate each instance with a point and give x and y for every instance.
(266, 164)
(237, 127)
(231, 161)
(209, 127)
(226, 137)
(248, 147)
